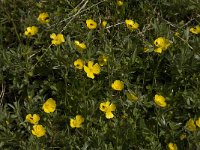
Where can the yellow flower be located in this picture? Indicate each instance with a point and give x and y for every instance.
(131, 96)
(103, 59)
(107, 108)
(183, 136)
(32, 118)
(79, 64)
(92, 69)
(118, 85)
(76, 123)
(31, 31)
(38, 130)
(190, 125)
(80, 46)
(131, 24)
(198, 122)
(104, 24)
(91, 24)
(160, 100)
(49, 106)
(162, 44)
(57, 39)
(177, 34)
(120, 3)
(43, 18)
(172, 146)
(195, 30)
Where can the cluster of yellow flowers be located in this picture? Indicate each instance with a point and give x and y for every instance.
(49, 107)
(38, 130)
(91, 69)
(162, 43)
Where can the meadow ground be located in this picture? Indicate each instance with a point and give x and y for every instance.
(100, 74)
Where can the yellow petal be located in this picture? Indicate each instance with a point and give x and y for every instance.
(96, 69)
(53, 36)
(109, 115)
(90, 64)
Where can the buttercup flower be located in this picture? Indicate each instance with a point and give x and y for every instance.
(31, 31)
(172, 146)
(32, 118)
(118, 85)
(120, 3)
(49, 106)
(79, 64)
(57, 39)
(195, 30)
(43, 18)
(160, 100)
(80, 46)
(162, 44)
(103, 59)
(104, 24)
(92, 69)
(190, 125)
(131, 96)
(131, 24)
(76, 123)
(107, 108)
(91, 24)
(38, 130)
(183, 136)
(198, 122)
(177, 34)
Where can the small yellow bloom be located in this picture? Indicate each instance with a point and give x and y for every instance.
(104, 24)
(32, 118)
(120, 3)
(38, 130)
(79, 64)
(103, 60)
(49, 106)
(131, 24)
(91, 24)
(195, 30)
(118, 85)
(57, 39)
(177, 34)
(131, 96)
(43, 18)
(198, 122)
(162, 44)
(190, 125)
(92, 69)
(160, 100)
(107, 108)
(172, 146)
(31, 31)
(183, 136)
(80, 46)
(76, 123)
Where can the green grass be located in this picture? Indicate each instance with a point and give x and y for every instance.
(33, 70)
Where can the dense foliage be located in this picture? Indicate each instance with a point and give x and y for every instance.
(100, 74)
